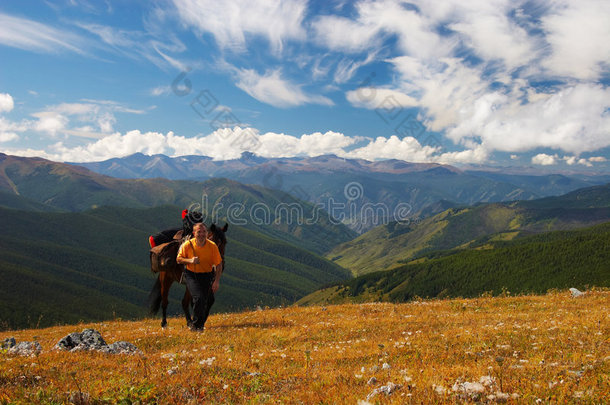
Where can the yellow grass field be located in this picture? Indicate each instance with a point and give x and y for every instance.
(525, 349)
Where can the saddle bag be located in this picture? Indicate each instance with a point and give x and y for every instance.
(163, 256)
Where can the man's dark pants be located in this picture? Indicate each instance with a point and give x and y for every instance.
(200, 286)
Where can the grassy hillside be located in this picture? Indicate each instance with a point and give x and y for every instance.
(66, 267)
(389, 245)
(526, 349)
(533, 264)
(66, 187)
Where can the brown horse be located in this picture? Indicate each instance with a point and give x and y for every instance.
(159, 296)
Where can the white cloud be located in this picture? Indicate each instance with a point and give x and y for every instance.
(598, 159)
(478, 154)
(161, 91)
(572, 120)
(97, 115)
(407, 148)
(380, 98)
(346, 68)
(584, 162)
(10, 126)
(343, 34)
(578, 33)
(6, 102)
(8, 136)
(316, 144)
(489, 30)
(272, 89)
(153, 46)
(544, 160)
(31, 35)
(230, 143)
(230, 22)
(570, 160)
(490, 102)
(50, 122)
(375, 21)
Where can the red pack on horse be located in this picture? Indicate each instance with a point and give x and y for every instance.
(159, 296)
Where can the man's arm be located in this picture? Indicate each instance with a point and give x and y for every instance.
(180, 259)
(185, 260)
(218, 273)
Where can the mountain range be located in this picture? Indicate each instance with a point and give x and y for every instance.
(361, 193)
(74, 245)
(48, 185)
(390, 245)
(533, 264)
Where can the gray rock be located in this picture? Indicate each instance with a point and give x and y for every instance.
(88, 339)
(121, 348)
(26, 349)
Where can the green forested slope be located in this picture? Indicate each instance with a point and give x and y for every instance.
(387, 246)
(561, 259)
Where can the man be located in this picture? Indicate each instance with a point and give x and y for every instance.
(202, 273)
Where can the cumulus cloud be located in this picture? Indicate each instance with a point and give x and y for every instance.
(573, 120)
(489, 99)
(407, 148)
(477, 154)
(6, 102)
(230, 143)
(50, 122)
(578, 32)
(272, 88)
(544, 160)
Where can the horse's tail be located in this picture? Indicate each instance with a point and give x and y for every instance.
(154, 298)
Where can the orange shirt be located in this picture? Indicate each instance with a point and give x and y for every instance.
(208, 255)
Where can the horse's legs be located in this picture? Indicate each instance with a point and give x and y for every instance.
(186, 306)
(165, 283)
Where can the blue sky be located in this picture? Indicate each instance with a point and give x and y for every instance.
(519, 83)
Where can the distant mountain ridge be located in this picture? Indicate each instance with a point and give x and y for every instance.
(389, 245)
(62, 186)
(381, 191)
(197, 167)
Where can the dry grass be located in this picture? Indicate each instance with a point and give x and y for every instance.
(549, 349)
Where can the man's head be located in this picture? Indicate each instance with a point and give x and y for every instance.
(200, 231)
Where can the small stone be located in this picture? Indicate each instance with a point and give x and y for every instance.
(9, 342)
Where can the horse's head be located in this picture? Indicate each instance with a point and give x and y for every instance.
(219, 238)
